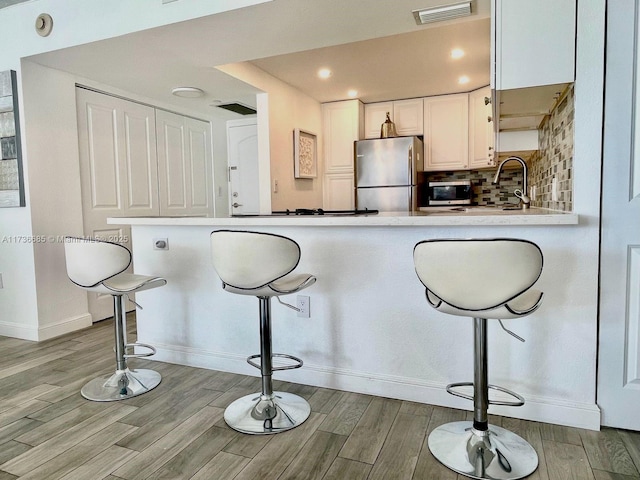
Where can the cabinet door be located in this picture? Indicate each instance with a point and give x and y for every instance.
(341, 126)
(446, 132)
(338, 191)
(480, 129)
(535, 43)
(374, 116)
(408, 115)
(184, 165)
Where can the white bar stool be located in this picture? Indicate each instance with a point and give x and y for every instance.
(490, 278)
(98, 266)
(258, 264)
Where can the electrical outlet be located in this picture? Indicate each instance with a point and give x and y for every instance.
(533, 193)
(275, 186)
(161, 244)
(303, 302)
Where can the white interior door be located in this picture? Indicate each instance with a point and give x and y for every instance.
(118, 168)
(242, 148)
(619, 330)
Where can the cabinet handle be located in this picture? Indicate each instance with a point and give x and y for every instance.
(487, 100)
(489, 119)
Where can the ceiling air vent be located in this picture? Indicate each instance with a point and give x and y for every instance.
(442, 13)
(238, 108)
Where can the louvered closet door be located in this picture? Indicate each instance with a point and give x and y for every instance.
(118, 169)
(184, 165)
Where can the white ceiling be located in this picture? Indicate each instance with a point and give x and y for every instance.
(392, 57)
(409, 65)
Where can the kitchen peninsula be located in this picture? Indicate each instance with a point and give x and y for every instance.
(371, 330)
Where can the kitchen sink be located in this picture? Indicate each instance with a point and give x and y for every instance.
(485, 208)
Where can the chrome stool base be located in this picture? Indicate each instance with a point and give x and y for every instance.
(121, 385)
(258, 414)
(496, 454)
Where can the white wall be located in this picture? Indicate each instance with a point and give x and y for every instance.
(55, 200)
(288, 109)
(371, 329)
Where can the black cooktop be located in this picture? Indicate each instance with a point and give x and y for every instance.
(313, 211)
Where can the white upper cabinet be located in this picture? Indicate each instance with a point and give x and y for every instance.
(532, 63)
(407, 115)
(481, 154)
(374, 116)
(446, 132)
(342, 124)
(534, 43)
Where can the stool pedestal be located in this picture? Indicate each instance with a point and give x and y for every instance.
(267, 412)
(124, 383)
(477, 449)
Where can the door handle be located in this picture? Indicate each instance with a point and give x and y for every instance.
(236, 205)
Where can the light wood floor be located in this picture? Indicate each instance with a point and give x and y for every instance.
(48, 431)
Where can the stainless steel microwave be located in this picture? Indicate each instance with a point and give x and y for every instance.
(450, 193)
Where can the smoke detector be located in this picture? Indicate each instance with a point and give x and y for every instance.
(442, 13)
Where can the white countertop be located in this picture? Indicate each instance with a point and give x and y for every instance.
(433, 217)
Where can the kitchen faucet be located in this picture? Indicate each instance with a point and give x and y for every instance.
(524, 197)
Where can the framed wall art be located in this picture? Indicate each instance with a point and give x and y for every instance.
(11, 178)
(305, 154)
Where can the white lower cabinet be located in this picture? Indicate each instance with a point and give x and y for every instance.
(446, 132)
(339, 191)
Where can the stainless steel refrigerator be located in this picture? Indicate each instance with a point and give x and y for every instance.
(386, 173)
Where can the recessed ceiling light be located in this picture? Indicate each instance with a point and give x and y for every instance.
(457, 53)
(324, 73)
(352, 93)
(463, 79)
(187, 92)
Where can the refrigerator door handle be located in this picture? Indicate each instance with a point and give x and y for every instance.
(411, 180)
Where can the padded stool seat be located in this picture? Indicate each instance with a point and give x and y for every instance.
(260, 264)
(482, 279)
(98, 266)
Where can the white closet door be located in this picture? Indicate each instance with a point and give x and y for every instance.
(619, 318)
(184, 165)
(118, 169)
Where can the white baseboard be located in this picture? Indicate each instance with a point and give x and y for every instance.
(536, 408)
(16, 330)
(36, 334)
(65, 326)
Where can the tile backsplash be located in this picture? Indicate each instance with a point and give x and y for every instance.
(553, 159)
